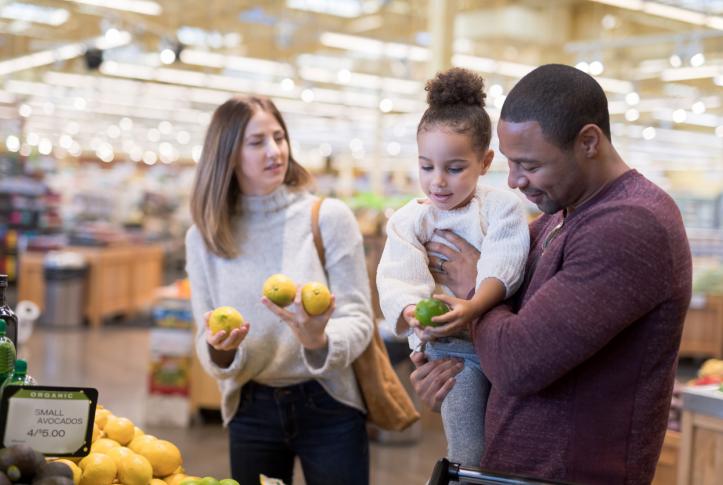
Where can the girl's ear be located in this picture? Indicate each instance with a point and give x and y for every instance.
(487, 161)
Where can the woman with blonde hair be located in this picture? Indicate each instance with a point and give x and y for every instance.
(285, 376)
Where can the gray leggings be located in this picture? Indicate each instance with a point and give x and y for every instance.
(463, 409)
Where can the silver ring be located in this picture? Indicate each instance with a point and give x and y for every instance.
(441, 265)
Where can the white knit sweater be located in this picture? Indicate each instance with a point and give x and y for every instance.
(274, 235)
(494, 222)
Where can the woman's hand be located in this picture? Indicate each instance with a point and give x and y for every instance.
(309, 330)
(432, 380)
(457, 268)
(224, 341)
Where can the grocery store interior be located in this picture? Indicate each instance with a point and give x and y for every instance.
(104, 106)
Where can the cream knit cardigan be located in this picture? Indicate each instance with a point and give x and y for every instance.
(493, 222)
(274, 236)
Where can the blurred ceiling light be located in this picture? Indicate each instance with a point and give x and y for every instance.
(609, 22)
(596, 68)
(386, 105)
(25, 110)
(374, 48)
(238, 63)
(167, 56)
(126, 124)
(649, 133)
(12, 143)
(632, 114)
(679, 115)
(583, 66)
(287, 84)
(632, 98)
(62, 53)
(685, 73)
(149, 157)
(697, 60)
(718, 80)
(307, 95)
(668, 11)
(338, 8)
(34, 13)
(676, 61)
(344, 76)
(145, 7)
(45, 147)
(394, 148)
(698, 107)
(719, 131)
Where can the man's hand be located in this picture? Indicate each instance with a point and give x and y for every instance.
(459, 269)
(432, 380)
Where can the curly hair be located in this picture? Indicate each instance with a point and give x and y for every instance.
(456, 100)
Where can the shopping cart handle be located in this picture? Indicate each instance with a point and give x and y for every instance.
(445, 471)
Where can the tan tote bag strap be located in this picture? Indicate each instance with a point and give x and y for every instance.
(316, 231)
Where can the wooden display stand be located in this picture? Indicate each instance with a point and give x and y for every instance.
(666, 472)
(703, 329)
(121, 279)
(701, 447)
(205, 393)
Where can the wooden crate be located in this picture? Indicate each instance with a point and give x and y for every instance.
(701, 450)
(666, 472)
(703, 329)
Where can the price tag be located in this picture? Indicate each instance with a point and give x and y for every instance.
(56, 421)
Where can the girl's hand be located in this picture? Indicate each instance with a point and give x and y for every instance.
(459, 267)
(309, 330)
(455, 321)
(224, 341)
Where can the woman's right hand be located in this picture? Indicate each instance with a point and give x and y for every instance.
(224, 341)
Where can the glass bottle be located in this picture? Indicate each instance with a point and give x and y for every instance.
(20, 375)
(11, 320)
(7, 354)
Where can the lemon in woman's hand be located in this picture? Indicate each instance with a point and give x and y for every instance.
(224, 318)
(428, 308)
(315, 297)
(280, 289)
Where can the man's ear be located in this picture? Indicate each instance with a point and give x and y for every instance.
(589, 139)
(487, 161)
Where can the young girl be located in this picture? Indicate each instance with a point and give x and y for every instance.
(287, 385)
(453, 140)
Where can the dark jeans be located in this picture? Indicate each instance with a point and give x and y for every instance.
(275, 424)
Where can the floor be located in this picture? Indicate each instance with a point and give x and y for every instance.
(115, 360)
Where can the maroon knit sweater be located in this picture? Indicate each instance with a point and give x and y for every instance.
(582, 361)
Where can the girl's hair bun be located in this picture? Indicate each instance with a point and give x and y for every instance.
(455, 86)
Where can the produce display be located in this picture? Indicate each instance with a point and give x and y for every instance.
(120, 453)
(711, 372)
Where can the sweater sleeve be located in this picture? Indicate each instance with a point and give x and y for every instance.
(403, 276)
(507, 242)
(615, 270)
(201, 302)
(349, 329)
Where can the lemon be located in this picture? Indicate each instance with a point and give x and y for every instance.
(157, 481)
(137, 432)
(77, 472)
(280, 289)
(98, 469)
(315, 297)
(141, 441)
(101, 417)
(97, 433)
(119, 429)
(175, 479)
(163, 455)
(119, 453)
(134, 470)
(428, 308)
(104, 445)
(224, 318)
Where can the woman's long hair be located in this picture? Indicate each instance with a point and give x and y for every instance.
(216, 190)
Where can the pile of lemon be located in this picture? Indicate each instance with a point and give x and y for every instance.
(121, 453)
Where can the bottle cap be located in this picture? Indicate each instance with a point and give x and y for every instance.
(21, 366)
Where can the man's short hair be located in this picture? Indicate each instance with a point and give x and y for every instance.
(562, 99)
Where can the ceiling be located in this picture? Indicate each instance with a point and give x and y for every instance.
(347, 74)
